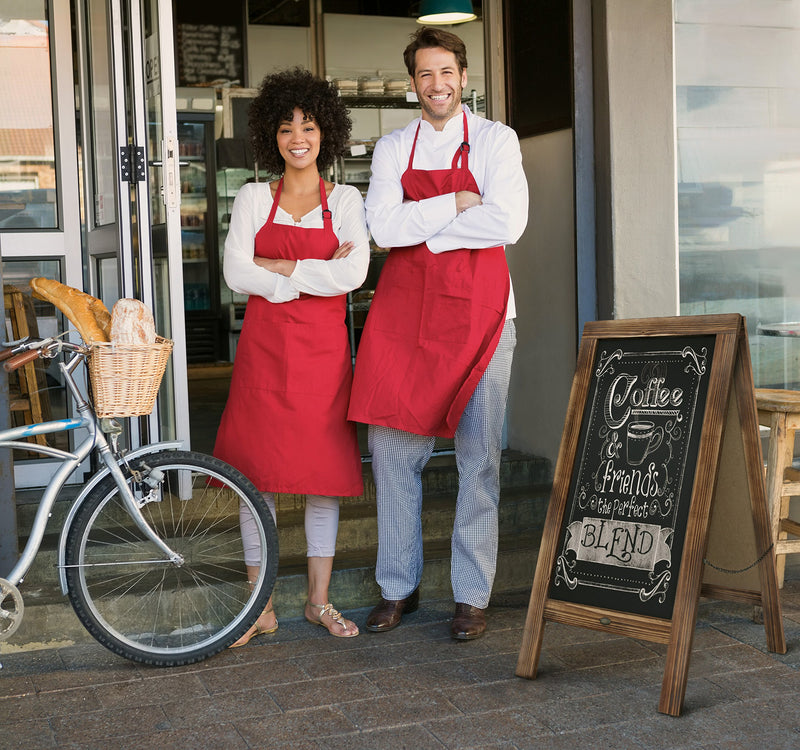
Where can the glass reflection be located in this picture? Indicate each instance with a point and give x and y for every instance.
(28, 198)
(36, 391)
(738, 118)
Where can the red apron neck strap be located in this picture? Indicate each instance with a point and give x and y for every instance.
(327, 216)
(275, 201)
(323, 200)
(462, 152)
(414, 147)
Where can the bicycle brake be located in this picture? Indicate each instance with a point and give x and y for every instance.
(150, 477)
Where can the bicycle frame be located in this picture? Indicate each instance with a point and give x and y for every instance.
(96, 441)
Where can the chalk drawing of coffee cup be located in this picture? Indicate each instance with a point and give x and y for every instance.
(643, 439)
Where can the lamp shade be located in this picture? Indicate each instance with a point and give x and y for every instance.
(439, 12)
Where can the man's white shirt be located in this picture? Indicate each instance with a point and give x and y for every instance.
(495, 162)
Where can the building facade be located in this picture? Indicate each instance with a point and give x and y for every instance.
(670, 190)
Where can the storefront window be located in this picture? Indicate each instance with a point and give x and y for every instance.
(27, 151)
(738, 120)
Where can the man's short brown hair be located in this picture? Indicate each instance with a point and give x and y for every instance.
(428, 37)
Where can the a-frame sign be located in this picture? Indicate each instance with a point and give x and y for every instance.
(658, 494)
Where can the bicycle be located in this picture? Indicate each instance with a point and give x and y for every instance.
(150, 553)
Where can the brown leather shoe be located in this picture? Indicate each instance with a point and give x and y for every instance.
(468, 623)
(388, 613)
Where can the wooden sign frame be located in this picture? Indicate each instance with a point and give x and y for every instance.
(723, 534)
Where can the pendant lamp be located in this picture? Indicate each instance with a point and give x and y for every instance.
(440, 12)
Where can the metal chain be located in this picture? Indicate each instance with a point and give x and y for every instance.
(742, 570)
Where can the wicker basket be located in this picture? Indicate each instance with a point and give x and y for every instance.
(125, 378)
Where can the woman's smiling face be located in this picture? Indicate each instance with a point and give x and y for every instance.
(299, 140)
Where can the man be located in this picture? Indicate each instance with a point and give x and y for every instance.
(446, 193)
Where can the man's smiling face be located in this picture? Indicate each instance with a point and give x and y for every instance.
(438, 84)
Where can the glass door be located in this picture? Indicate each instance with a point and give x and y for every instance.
(40, 230)
(162, 269)
(89, 191)
(131, 195)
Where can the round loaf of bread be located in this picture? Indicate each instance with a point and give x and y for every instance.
(132, 323)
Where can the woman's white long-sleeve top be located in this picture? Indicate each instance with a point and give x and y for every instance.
(323, 278)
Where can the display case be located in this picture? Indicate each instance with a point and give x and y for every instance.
(199, 237)
(229, 181)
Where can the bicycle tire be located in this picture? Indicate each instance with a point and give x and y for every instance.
(147, 609)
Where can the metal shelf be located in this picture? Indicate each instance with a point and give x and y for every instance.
(400, 102)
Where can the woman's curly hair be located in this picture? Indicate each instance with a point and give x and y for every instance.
(277, 98)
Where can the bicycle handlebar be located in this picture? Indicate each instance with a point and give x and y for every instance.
(19, 353)
(15, 361)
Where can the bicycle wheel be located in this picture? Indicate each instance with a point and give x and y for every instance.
(146, 608)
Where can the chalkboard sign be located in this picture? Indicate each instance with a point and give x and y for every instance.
(623, 531)
(209, 42)
(661, 415)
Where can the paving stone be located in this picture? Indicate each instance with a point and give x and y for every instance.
(110, 723)
(336, 663)
(28, 734)
(218, 737)
(12, 685)
(736, 657)
(617, 651)
(771, 740)
(409, 738)
(244, 704)
(295, 726)
(63, 679)
(507, 725)
(433, 676)
(595, 737)
(509, 693)
(323, 691)
(237, 677)
(160, 688)
(761, 683)
(402, 710)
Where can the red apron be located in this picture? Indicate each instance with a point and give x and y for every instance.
(285, 425)
(434, 322)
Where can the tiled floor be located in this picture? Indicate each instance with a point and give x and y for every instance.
(416, 688)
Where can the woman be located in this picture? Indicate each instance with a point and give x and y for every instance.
(296, 246)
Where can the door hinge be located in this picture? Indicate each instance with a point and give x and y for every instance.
(131, 163)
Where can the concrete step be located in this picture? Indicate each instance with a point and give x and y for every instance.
(49, 620)
(439, 478)
(524, 497)
(521, 509)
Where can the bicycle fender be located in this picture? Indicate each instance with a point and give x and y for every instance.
(88, 487)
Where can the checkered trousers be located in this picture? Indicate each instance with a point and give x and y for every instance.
(398, 459)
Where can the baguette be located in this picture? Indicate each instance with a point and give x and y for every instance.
(132, 323)
(88, 314)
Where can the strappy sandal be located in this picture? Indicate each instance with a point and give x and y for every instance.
(327, 609)
(256, 630)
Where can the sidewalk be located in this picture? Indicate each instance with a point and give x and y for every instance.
(416, 688)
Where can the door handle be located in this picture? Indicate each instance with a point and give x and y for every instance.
(171, 167)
